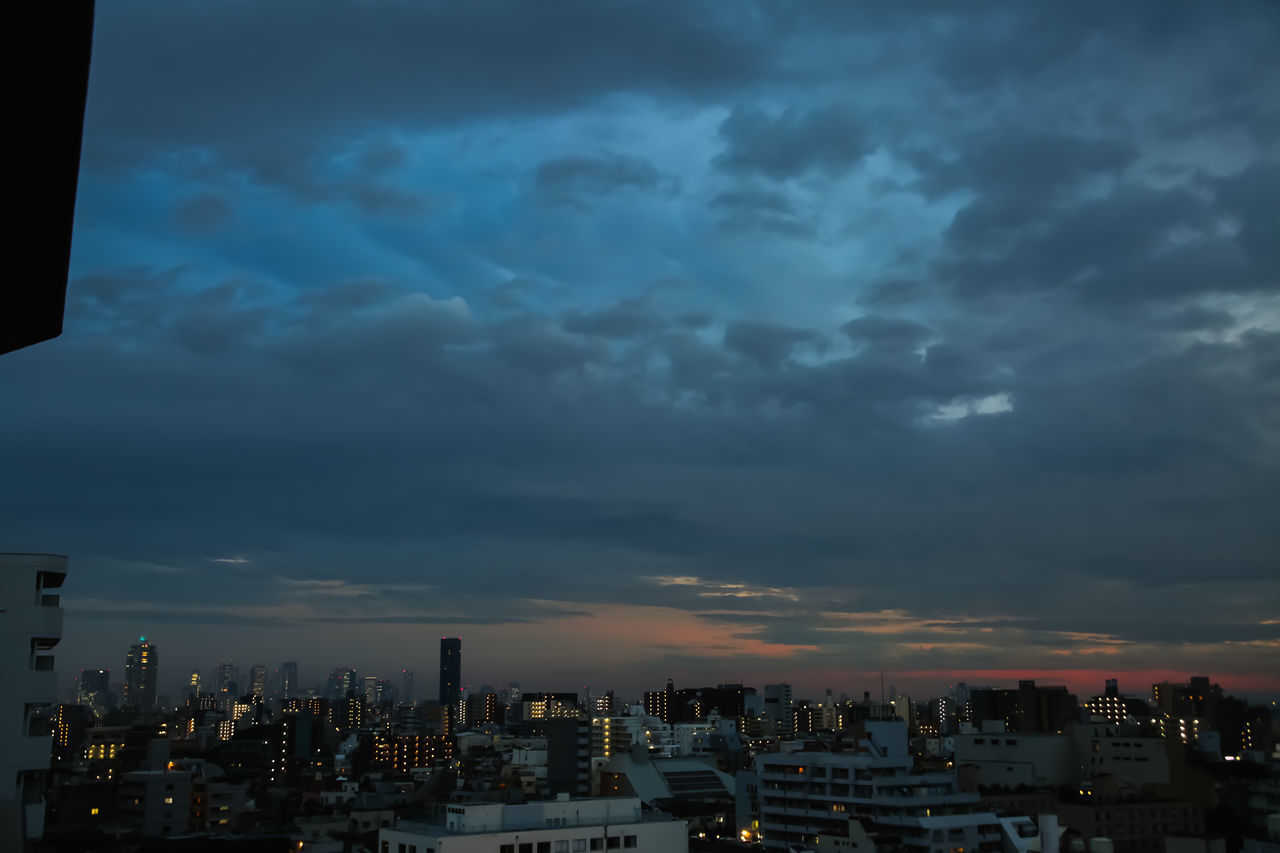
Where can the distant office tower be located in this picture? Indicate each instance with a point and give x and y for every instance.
(141, 670)
(258, 680)
(450, 671)
(196, 685)
(406, 687)
(373, 691)
(94, 689)
(227, 678)
(340, 683)
(289, 679)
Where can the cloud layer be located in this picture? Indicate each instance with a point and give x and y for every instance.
(830, 339)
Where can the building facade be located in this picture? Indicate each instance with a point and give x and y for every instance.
(808, 798)
(564, 825)
(30, 627)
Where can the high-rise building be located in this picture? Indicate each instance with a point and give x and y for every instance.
(30, 626)
(94, 690)
(450, 671)
(258, 680)
(141, 669)
(227, 678)
(289, 679)
(373, 691)
(340, 683)
(196, 685)
(406, 687)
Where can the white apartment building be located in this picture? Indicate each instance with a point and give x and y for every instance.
(808, 798)
(563, 825)
(1089, 749)
(30, 626)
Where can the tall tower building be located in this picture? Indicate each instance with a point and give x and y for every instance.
(450, 671)
(289, 679)
(226, 678)
(406, 687)
(258, 680)
(141, 669)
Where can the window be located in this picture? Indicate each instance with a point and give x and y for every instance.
(615, 841)
(168, 801)
(628, 841)
(579, 845)
(544, 847)
(562, 847)
(527, 847)
(597, 844)
(507, 848)
(401, 849)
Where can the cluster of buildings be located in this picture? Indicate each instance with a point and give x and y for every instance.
(362, 764)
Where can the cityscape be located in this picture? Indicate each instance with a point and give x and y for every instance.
(259, 758)
(728, 426)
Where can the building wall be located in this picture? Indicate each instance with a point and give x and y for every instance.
(30, 626)
(1010, 759)
(558, 826)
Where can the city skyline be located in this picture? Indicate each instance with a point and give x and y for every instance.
(312, 675)
(668, 340)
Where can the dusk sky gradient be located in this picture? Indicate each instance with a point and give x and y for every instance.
(707, 340)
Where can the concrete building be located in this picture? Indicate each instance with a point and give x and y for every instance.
(564, 825)
(30, 627)
(1011, 759)
(810, 797)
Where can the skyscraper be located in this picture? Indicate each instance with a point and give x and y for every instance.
(94, 689)
(258, 680)
(289, 679)
(406, 688)
(450, 671)
(141, 668)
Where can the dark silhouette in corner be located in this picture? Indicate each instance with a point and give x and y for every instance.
(47, 88)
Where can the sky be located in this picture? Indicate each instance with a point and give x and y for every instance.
(631, 340)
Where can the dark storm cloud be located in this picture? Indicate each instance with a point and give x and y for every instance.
(894, 292)
(758, 208)
(270, 87)
(887, 332)
(567, 178)
(203, 212)
(767, 343)
(626, 318)
(831, 139)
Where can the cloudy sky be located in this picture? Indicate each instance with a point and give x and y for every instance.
(707, 340)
